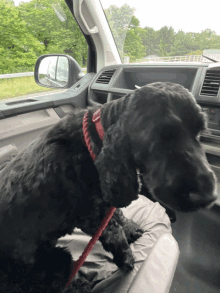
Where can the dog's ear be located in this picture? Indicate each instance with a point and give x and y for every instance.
(170, 127)
(116, 167)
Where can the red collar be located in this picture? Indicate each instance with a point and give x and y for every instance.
(96, 118)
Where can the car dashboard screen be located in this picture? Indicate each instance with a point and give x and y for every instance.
(183, 76)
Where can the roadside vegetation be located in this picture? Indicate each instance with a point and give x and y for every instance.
(42, 27)
(19, 86)
(33, 29)
(137, 42)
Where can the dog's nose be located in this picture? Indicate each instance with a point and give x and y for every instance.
(205, 201)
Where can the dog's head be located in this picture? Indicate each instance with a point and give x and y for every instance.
(163, 122)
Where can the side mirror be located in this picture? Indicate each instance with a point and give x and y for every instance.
(57, 71)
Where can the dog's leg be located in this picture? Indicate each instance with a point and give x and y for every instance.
(132, 230)
(49, 274)
(78, 285)
(57, 266)
(114, 240)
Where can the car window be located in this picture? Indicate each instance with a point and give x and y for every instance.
(29, 29)
(162, 31)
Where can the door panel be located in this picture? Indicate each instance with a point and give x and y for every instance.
(23, 120)
(20, 130)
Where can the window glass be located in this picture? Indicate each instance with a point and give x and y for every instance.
(164, 31)
(29, 29)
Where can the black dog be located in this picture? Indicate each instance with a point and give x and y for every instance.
(54, 185)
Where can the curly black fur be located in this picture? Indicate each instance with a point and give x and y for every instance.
(54, 186)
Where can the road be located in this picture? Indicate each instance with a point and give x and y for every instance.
(12, 75)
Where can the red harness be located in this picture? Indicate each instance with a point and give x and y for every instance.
(97, 120)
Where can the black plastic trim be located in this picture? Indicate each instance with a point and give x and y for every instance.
(60, 112)
(2, 116)
(92, 54)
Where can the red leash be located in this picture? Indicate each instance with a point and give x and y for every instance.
(97, 120)
(91, 243)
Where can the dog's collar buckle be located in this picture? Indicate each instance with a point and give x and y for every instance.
(98, 125)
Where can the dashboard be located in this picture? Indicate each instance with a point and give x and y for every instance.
(202, 80)
(112, 82)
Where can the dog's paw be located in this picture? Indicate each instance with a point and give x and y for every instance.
(79, 285)
(125, 261)
(132, 231)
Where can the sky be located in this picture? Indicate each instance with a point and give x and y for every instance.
(188, 15)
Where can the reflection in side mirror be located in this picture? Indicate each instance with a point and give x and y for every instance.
(57, 71)
(54, 71)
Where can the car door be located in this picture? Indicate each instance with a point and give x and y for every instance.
(25, 116)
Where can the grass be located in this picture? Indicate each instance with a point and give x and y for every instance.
(19, 86)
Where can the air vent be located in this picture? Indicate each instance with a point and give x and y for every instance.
(211, 83)
(105, 76)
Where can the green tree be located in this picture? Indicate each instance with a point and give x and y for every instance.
(126, 31)
(134, 23)
(207, 39)
(10, 2)
(119, 20)
(53, 25)
(194, 43)
(149, 39)
(165, 39)
(184, 43)
(197, 52)
(18, 48)
(133, 46)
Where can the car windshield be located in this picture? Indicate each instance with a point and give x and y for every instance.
(164, 31)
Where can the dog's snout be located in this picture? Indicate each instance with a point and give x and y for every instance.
(203, 201)
(208, 175)
(206, 183)
(207, 178)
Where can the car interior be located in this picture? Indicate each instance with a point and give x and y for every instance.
(195, 265)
